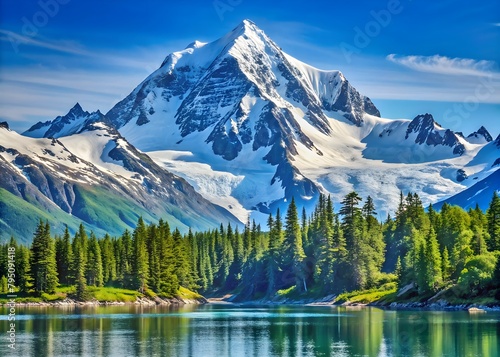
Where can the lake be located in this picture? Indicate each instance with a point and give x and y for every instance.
(232, 330)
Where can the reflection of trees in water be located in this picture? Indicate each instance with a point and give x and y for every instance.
(231, 331)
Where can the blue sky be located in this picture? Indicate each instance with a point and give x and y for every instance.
(410, 57)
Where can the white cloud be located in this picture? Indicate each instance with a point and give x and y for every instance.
(61, 46)
(446, 65)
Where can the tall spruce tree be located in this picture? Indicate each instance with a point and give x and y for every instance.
(64, 257)
(23, 275)
(493, 215)
(293, 251)
(94, 264)
(352, 226)
(43, 260)
(140, 258)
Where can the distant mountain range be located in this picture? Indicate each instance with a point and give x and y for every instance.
(93, 176)
(233, 128)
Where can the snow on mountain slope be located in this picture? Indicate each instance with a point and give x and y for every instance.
(98, 178)
(250, 126)
(479, 194)
(482, 136)
(66, 125)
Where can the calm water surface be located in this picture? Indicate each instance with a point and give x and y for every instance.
(230, 330)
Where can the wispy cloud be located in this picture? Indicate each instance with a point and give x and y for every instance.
(446, 65)
(497, 24)
(61, 46)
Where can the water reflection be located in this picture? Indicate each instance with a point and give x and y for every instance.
(225, 330)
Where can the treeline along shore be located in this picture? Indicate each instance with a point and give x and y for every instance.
(418, 257)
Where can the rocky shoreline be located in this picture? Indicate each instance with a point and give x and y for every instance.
(139, 301)
(440, 305)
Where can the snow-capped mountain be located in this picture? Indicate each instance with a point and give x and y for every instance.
(69, 124)
(479, 194)
(249, 127)
(96, 177)
(481, 136)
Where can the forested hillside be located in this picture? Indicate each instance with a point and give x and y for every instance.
(322, 254)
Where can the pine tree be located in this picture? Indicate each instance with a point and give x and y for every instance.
(64, 257)
(43, 260)
(108, 259)
(125, 261)
(234, 276)
(399, 271)
(79, 268)
(140, 258)
(181, 261)
(94, 264)
(168, 280)
(430, 270)
(23, 269)
(446, 265)
(80, 242)
(272, 257)
(479, 228)
(152, 244)
(293, 252)
(461, 252)
(352, 226)
(373, 245)
(493, 215)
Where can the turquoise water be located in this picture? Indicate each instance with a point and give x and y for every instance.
(231, 330)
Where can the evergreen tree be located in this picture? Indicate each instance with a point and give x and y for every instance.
(234, 276)
(432, 262)
(140, 258)
(23, 269)
(168, 280)
(94, 263)
(479, 228)
(493, 214)
(79, 268)
(64, 257)
(108, 259)
(373, 245)
(43, 260)
(126, 256)
(181, 261)
(152, 244)
(273, 253)
(352, 226)
(446, 265)
(293, 252)
(461, 252)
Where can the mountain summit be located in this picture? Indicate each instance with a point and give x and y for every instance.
(218, 84)
(250, 127)
(237, 98)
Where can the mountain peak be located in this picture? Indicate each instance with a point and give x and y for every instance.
(428, 131)
(480, 136)
(4, 125)
(73, 122)
(246, 26)
(195, 44)
(77, 110)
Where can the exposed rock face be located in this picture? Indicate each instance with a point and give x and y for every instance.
(66, 125)
(242, 90)
(482, 135)
(430, 133)
(461, 175)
